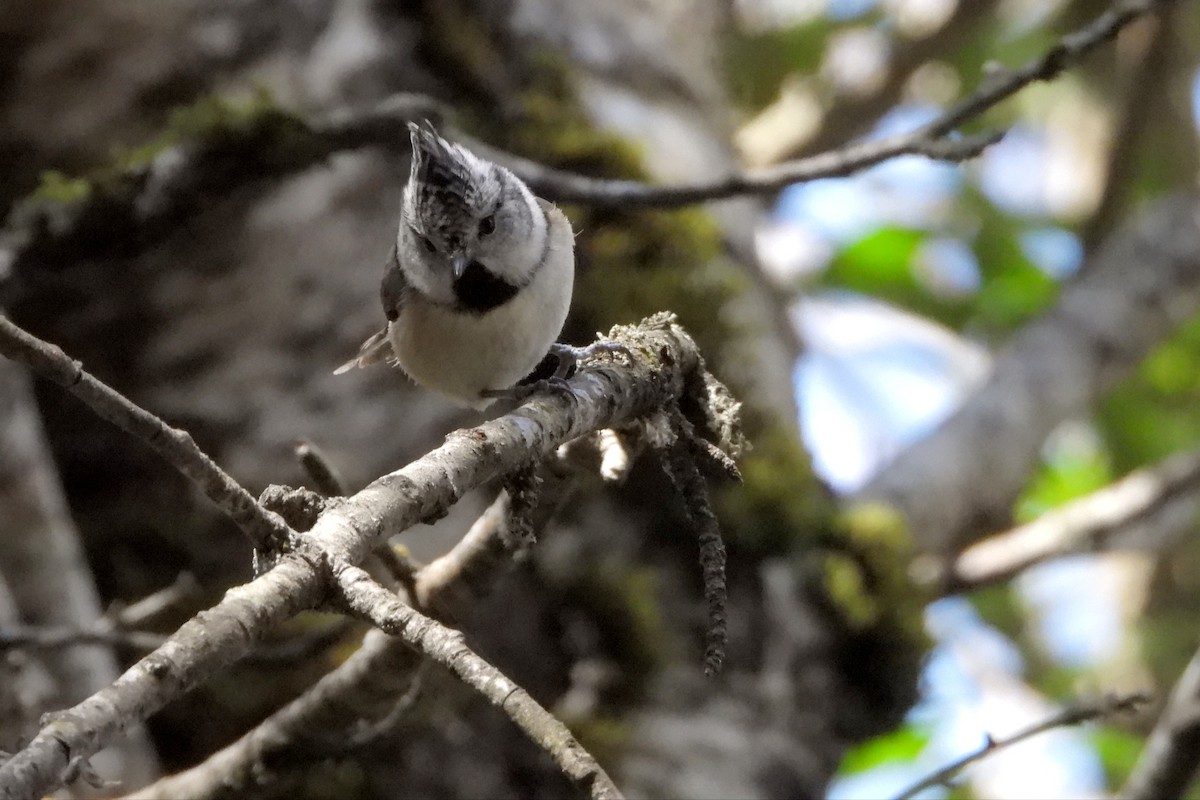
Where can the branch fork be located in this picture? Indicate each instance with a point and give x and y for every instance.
(309, 567)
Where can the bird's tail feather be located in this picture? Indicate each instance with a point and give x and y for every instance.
(376, 348)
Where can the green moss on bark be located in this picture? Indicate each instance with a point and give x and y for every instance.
(107, 212)
(867, 583)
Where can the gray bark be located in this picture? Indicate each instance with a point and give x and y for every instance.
(46, 575)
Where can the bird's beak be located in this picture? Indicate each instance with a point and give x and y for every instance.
(458, 264)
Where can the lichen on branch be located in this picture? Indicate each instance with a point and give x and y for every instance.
(662, 368)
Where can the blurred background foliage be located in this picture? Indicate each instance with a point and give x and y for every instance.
(978, 252)
(900, 283)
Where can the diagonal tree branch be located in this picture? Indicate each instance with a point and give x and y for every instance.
(852, 113)
(928, 140)
(45, 567)
(265, 529)
(370, 680)
(1074, 714)
(370, 601)
(1069, 50)
(209, 641)
(362, 688)
(662, 367)
(1166, 495)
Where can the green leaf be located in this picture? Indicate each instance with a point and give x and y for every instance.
(881, 265)
(1014, 294)
(1013, 289)
(999, 607)
(1153, 414)
(879, 261)
(1062, 480)
(1118, 751)
(901, 746)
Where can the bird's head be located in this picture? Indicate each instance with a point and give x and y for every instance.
(463, 215)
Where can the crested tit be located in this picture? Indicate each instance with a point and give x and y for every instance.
(479, 280)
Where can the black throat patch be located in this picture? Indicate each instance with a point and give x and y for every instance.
(480, 291)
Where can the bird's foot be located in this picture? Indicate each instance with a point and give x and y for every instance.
(523, 391)
(569, 356)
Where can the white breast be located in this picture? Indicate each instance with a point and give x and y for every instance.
(461, 354)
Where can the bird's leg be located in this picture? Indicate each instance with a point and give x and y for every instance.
(568, 357)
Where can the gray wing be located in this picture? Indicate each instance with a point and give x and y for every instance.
(394, 287)
(391, 292)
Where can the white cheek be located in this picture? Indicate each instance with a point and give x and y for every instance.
(500, 245)
(426, 277)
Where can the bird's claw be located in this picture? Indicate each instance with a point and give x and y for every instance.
(523, 391)
(569, 356)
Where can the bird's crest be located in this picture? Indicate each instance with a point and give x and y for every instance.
(447, 175)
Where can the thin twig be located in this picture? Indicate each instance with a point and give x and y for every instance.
(568, 187)
(679, 462)
(45, 637)
(1079, 712)
(178, 180)
(319, 470)
(928, 140)
(1070, 49)
(367, 599)
(266, 530)
(853, 112)
(140, 613)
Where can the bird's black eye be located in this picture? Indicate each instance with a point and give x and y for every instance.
(487, 225)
